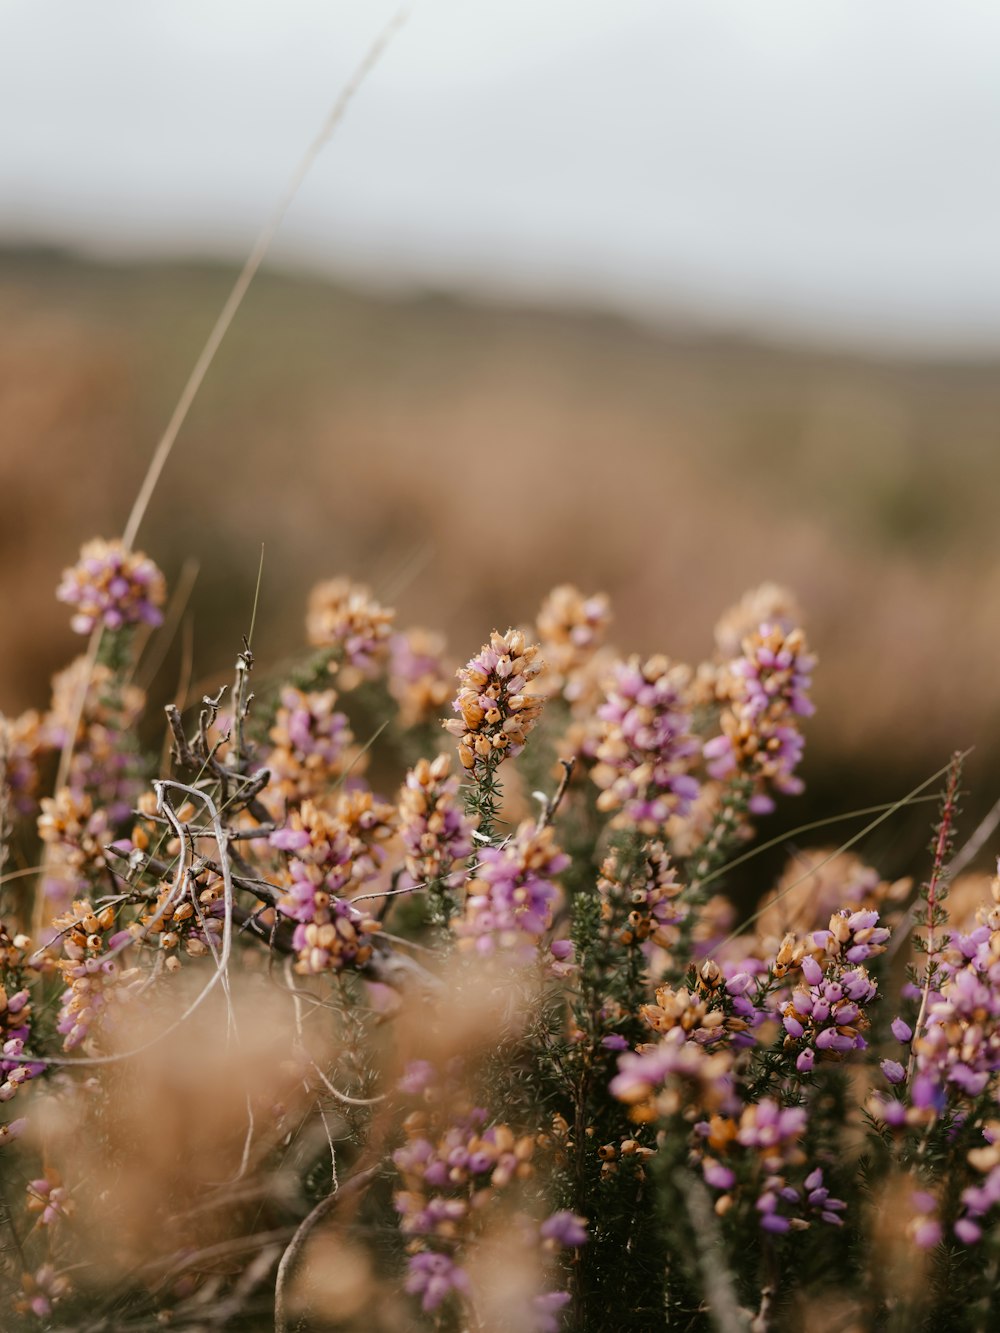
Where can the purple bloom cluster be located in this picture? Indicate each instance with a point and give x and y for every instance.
(15, 1030)
(76, 835)
(309, 741)
(442, 1176)
(648, 906)
(771, 1129)
(41, 1290)
(720, 1011)
(435, 833)
(113, 587)
(957, 1050)
(565, 1229)
(545, 1311)
(959, 1046)
(511, 900)
(770, 1135)
(924, 1227)
(824, 1017)
(22, 745)
(447, 1182)
(433, 1276)
(645, 755)
(664, 1077)
(419, 680)
(344, 617)
(49, 1199)
(92, 974)
(571, 628)
(783, 1207)
(766, 690)
(495, 712)
(327, 853)
(105, 765)
(979, 1200)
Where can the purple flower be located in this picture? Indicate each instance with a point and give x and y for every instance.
(718, 1176)
(645, 756)
(495, 711)
(766, 690)
(112, 586)
(436, 834)
(343, 617)
(566, 1229)
(511, 901)
(545, 1310)
(417, 1076)
(893, 1070)
(434, 1276)
(967, 1231)
(927, 1233)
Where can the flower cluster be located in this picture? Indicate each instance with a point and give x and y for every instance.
(436, 834)
(849, 938)
(344, 619)
(49, 1199)
(495, 714)
(179, 920)
(310, 746)
(717, 1010)
(958, 1048)
(580, 1043)
(570, 628)
(447, 1182)
(817, 883)
(40, 1291)
(330, 856)
(419, 680)
(644, 906)
(22, 746)
(978, 1201)
(645, 756)
(676, 1073)
(770, 604)
(112, 587)
(77, 835)
(93, 976)
(104, 712)
(15, 1014)
(761, 1153)
(510, 901)
(764, 692)
(824, 1017)
(434, 1276)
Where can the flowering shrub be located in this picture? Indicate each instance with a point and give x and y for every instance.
(473, 1042)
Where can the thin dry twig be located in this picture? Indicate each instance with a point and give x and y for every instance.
(305, 1228)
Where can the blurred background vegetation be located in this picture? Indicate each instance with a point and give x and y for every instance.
(463, 457)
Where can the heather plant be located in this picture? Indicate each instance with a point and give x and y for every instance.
(372, 996)
(301, 1047)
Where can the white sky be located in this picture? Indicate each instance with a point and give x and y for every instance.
(832, 168)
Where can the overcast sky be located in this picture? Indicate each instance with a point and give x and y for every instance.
(804, 165)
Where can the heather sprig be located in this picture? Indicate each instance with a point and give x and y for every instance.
(112, 587)
(646, 753)
(495, 714)
(763, 692)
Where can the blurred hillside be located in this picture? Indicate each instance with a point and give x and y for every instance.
(464, 458)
